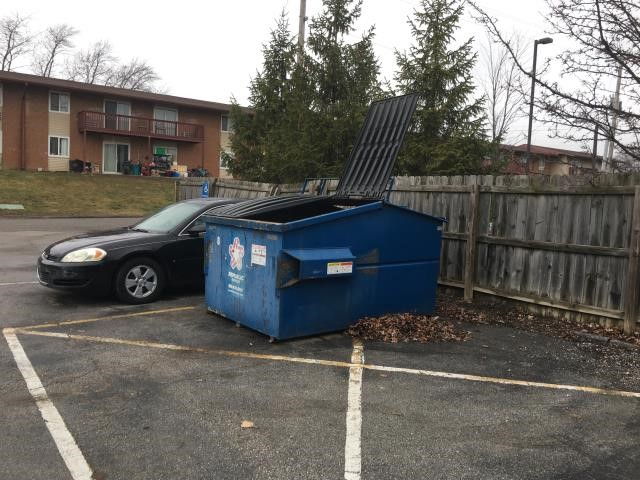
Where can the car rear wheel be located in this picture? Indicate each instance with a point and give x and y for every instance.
(139, 280)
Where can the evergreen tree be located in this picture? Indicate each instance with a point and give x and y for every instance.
(268, 97)
(447, 135)
(346, 80)
(306, 116)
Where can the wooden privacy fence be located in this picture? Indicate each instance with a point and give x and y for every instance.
(192, 187)
(566, 246)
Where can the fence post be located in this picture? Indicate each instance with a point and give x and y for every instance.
(175, 190)
(470, 248)
(631, 294)
(212, 187)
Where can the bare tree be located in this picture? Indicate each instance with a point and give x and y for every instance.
(606, 39)
(97, 65)
(56, 41)
(135, 75)
(15, 40)
(503, 87)
(93, 65)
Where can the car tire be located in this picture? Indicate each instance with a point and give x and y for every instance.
(140, 280)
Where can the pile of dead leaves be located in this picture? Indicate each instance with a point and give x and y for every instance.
(407, 327)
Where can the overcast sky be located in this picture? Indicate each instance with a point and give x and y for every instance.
(210, 50)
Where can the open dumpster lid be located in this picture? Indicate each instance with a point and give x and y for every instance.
(304, 205)
(365, 177)
(376, 149)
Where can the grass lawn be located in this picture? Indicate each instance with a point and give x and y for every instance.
(74, 194)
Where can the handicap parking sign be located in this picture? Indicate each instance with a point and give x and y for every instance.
(205, 190)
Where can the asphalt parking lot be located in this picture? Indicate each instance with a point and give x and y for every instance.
(161, 391)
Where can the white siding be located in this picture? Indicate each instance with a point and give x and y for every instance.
(58, 164)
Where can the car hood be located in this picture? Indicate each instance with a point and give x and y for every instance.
(108, 240)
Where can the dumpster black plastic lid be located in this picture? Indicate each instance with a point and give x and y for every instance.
(289, 206)
(375, 152)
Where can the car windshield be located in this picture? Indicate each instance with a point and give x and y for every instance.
(168, 218)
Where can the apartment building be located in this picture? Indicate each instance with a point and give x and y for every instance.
(46, 122)
(548, 160)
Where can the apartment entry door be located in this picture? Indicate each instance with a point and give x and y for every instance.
(114, 157)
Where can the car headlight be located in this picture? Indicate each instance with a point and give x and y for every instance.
(85, 255)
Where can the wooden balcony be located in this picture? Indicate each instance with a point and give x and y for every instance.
(127, 125)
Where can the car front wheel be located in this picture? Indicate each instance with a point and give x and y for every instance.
(139, 280)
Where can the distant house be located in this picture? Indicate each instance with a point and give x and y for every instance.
(47, 123)
(548, 161)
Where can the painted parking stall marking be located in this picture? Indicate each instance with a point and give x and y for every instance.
(67, 446)
(108, 317)
(80, 469)
(333, 363)
(352, 447)
(7, 284)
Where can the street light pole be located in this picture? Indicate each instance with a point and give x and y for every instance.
(542, 41)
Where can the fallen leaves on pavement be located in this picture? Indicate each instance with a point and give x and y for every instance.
(407, 327)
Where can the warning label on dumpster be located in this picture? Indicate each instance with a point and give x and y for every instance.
(258, 254)
(336, 268)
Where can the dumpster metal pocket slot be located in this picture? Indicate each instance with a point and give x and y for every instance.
(295, 265)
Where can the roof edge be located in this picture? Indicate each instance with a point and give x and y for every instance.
(71, 85)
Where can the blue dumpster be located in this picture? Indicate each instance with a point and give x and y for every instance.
(322, 273)
(301, 265)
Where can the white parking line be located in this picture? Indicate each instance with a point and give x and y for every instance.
(332, 363)
(71, 454)
(6, 284)
(109, 317)
(352, 449)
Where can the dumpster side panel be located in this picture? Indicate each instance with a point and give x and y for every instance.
(387, 235)
(396, 270)
(324, 275)
(315, 306)
(239, 280)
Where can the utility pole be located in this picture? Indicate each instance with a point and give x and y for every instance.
(615, 104)
(301, 24)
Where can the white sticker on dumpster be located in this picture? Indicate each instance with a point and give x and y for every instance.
(258, 254)
(335, 268)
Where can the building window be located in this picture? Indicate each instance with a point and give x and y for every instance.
(541, 164)
(225, 123)
(165, 114)
(225, 157)
(58, 146)
(58, 102)
(165, 123)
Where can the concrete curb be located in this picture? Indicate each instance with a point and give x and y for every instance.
(626, 345)
(593, 338)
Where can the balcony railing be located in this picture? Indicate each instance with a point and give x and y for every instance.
(128, 125)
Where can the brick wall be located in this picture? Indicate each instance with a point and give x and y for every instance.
(38, 123)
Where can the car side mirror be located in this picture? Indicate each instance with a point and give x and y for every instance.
(197, 230)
